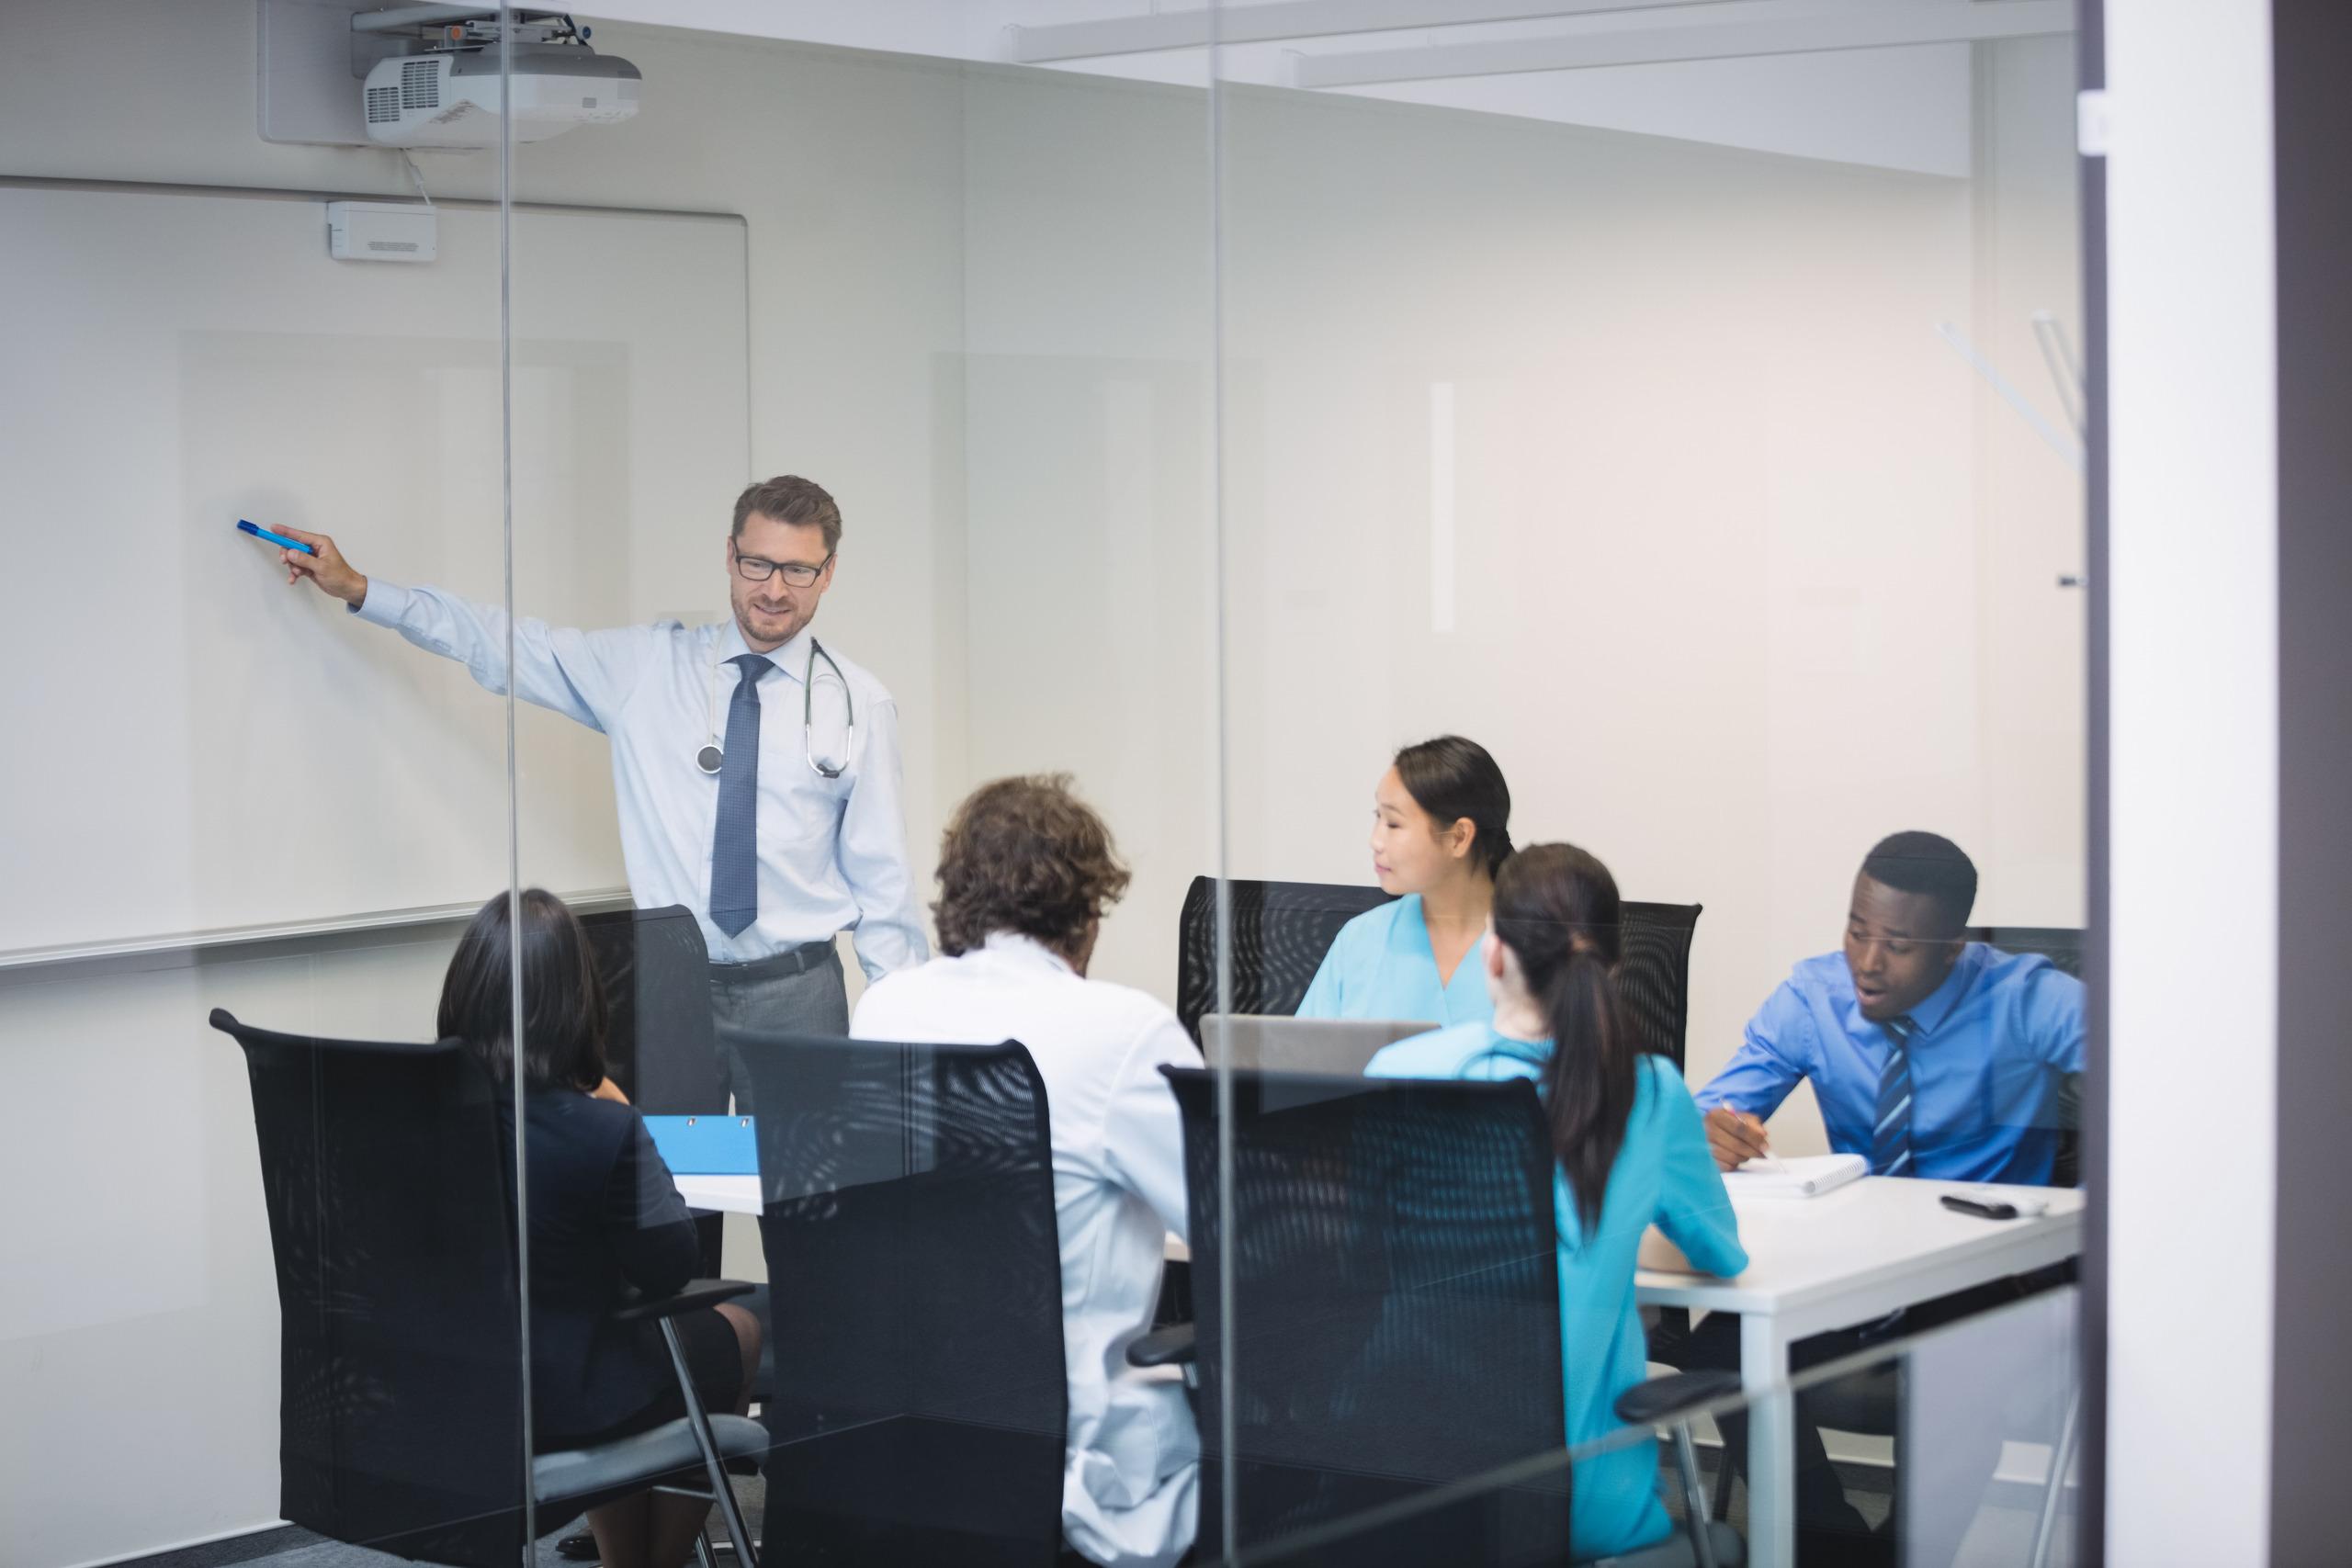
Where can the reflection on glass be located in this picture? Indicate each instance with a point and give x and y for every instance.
(1956, 1448)
(1634, 443)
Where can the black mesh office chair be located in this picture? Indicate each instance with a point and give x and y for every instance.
(1655, 976)
(656, 970)
(391, 1216)
(1280, 932)
(1395, 1319)
(921, 1405)
(1281, 929)
(2062, 945)
(661, 1049)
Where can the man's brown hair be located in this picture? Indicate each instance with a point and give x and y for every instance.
(788, 497)
(1025, 855)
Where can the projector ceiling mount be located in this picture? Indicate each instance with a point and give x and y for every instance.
(431, 76)
(419, 30)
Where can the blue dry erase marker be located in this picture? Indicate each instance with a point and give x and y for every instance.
(259, 533)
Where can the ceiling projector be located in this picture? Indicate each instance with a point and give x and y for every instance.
(451, 94)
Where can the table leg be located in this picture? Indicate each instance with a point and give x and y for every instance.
(1771, 1443)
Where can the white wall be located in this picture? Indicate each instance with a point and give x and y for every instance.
(1808, 560)
(2194, 786)
(1089, 639)
(2030, 635)
(1726, 606)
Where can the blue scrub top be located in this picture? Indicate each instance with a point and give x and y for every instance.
(1664, 1176)
(1381, 965)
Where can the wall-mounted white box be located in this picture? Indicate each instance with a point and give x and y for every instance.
(382, 230)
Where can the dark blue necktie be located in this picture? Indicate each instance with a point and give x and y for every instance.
(1891, 1140)
(734, 847)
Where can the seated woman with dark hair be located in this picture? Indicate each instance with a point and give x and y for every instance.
(1440, 828)
(1628, 1145)
(605, 1219)
(1025, 871)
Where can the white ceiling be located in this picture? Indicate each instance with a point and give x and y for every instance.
(1883, 82)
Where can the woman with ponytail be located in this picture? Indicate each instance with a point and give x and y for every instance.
(1441, 824)
(1632, 1154)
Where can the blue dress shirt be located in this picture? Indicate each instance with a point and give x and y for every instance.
(1381, 965)
(1664, 1176)
(832, 851)
(1994, 1043)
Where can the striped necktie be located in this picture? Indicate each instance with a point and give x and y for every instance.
(1891, 1137)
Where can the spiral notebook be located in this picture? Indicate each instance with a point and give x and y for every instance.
(1807, 1176)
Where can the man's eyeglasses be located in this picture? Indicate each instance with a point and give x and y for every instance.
(799, 574)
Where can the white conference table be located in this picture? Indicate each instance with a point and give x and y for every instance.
(740, 1195)
(1815, 1264)
(721, 1194)
(1847, 1258)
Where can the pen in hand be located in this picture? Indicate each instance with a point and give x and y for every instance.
(1735, 1138)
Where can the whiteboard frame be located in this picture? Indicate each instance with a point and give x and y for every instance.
(297, 933)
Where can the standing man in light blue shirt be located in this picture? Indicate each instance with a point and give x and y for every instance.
(755, 772)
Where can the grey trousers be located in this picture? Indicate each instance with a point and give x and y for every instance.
(800, 992)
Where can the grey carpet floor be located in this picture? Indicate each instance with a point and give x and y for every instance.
(290, 1546)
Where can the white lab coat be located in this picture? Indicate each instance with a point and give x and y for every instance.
(1130, 1487)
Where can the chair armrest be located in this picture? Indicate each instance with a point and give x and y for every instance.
(1658, 1401)
(698, 1294)
(1168, 1346)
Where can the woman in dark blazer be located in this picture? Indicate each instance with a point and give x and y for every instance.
(605, 1219)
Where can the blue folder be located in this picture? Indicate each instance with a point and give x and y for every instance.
(712, 1144)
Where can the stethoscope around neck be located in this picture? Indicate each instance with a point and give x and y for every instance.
(713, 757)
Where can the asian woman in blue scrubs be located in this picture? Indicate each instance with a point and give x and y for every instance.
(1441, 824)
(1632, 1154)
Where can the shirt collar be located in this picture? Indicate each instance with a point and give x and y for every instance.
(1025, 952)
(791, 657)
(1931, 1014)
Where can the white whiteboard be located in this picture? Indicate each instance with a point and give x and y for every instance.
(192, 745)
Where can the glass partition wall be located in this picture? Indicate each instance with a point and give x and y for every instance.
(1204, 514)
(892, 376)
(1667, 472)
(245, 828)
(1989, 1437)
